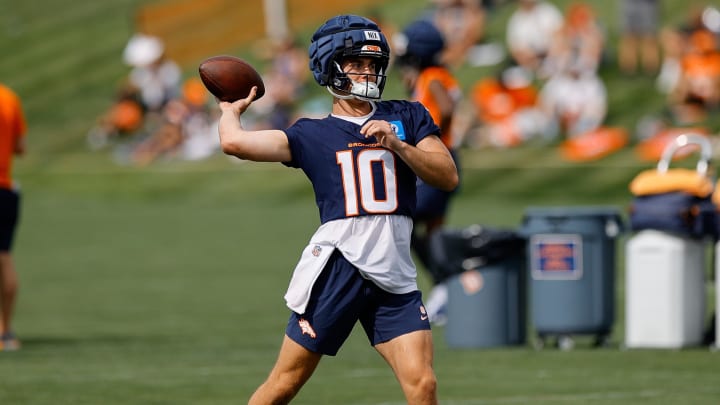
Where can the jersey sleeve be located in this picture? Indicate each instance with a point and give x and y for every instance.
(295, 140)
(423, 124)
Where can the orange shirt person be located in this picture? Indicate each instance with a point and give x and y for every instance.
(12, 137)
(700, 77)
(505, 107)
(497, 99)
(438, 90)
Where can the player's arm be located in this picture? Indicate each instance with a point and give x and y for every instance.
(262, 146)
(430, 159)
(445, 104)
(19, 128)
(19, 146)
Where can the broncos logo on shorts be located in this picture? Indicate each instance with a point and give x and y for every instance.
(306, 328)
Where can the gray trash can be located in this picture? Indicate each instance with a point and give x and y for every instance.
(486, 307)
(486, 284)
(571, 269)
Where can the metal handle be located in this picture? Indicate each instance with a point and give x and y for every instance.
(684, 140)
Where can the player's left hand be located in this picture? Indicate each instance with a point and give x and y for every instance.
(382, 131)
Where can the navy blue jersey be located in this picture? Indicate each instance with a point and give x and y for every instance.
(353, 175)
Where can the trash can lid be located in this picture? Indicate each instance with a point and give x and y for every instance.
(610, 215)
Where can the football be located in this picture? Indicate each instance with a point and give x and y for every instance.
(229, 78)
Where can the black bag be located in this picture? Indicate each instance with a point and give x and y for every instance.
(680, 213)
(679, 200)
(454, 251)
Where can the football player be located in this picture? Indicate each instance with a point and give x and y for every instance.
(362, 161)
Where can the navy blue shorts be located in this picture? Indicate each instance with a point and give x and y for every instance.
(340, 298)
(9, 213)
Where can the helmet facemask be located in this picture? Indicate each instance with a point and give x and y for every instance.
(369, 87)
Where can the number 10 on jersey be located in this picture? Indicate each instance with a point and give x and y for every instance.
(361, 189)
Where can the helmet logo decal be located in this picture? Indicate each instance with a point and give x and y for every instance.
(372, 35)
(371, 49)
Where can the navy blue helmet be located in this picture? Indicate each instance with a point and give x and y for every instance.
(420, 44)
(345, 36)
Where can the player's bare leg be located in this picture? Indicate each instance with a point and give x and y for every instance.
(8, 291)
(293, 368)
(411, 358)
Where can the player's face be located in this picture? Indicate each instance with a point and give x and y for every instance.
(360, 69)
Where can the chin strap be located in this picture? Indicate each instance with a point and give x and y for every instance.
(361, 87)
(366, 90)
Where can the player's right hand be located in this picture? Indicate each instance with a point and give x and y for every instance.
(238, 107)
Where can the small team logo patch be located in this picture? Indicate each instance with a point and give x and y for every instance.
(306, 328)
(398, 128)
(372, 36)
(316, 250)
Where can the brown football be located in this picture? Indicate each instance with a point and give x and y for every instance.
(229, 78)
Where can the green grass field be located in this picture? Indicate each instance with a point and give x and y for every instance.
(164, 285)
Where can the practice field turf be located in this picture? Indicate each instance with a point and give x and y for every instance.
(164, 285)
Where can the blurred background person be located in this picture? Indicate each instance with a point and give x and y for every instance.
(682, 63)
(574, 100)
(154, 77)
(199, 119)
(697, 92)
(674, 43)
(12, 142)
(506, 112)
(420, 49)
(580, 40)
(638, 48)
(530, 32)
(152, 82)
(187, 131)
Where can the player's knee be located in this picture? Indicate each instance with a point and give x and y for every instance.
(274, 392)
(286, 386)
(428, 384)
(289, 391)
(424, 385)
